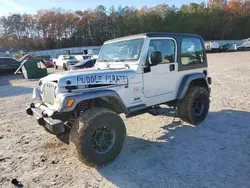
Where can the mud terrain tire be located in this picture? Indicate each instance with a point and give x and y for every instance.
(98, 137)
(194, 107)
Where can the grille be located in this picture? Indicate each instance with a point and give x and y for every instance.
(48, 92)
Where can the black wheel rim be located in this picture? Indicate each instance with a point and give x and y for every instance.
(103, 140)
(198, 106)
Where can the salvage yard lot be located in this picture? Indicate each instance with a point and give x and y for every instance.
(157, 153)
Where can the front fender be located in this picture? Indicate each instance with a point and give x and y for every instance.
(186, 82)
(92, 95)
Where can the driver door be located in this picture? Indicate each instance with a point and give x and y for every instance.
(161, 79)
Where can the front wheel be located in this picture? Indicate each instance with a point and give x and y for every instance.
(65, 67)
(195, 105)
(97, 138)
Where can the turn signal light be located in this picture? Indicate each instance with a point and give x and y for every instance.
(70, 102)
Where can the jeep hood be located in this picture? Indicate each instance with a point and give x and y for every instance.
(91, 76)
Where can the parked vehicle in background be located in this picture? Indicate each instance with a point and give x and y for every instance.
(8, 64)
(87, 57)
(228, 47)
(47, 61)
(65, 61)
(212, 46)
(83, 57)
(235, 47)
(244, 47)
(85, 64)
(207, 46)
(78, 57)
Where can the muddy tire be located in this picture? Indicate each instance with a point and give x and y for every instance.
(194, 107)
(98, 137)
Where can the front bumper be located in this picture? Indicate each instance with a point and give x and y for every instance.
(40, 112)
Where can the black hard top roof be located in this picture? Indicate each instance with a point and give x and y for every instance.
(157, 34)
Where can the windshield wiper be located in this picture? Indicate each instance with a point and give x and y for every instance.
(122, 61)
(106, 62)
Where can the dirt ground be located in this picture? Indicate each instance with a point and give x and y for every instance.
(157, 152)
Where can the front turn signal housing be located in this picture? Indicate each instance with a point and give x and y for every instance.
(70, 102)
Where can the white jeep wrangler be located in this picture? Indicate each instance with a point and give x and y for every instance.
(132, 75)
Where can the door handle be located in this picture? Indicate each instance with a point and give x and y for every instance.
(172, 67)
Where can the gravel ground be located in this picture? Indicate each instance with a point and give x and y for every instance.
(157, 152)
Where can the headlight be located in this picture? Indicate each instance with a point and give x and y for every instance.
(57, 101)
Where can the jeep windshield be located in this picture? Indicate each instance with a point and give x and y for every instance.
(128, 50)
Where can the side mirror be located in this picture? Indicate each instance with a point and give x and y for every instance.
(156, 57)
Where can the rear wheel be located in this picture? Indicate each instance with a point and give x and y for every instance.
(55, 66)
(195, 105)
(97, 138)
(65, 67)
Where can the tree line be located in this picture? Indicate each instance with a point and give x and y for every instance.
(58, 28)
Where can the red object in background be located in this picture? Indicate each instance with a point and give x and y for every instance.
(48, 63)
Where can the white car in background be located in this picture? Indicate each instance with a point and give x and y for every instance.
(64, 61)
(212, 46)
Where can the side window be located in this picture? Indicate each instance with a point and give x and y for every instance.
(165, 46)
(191, 51)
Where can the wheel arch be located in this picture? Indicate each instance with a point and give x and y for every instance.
(102, 98)
(196, 79)
(113, 103)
